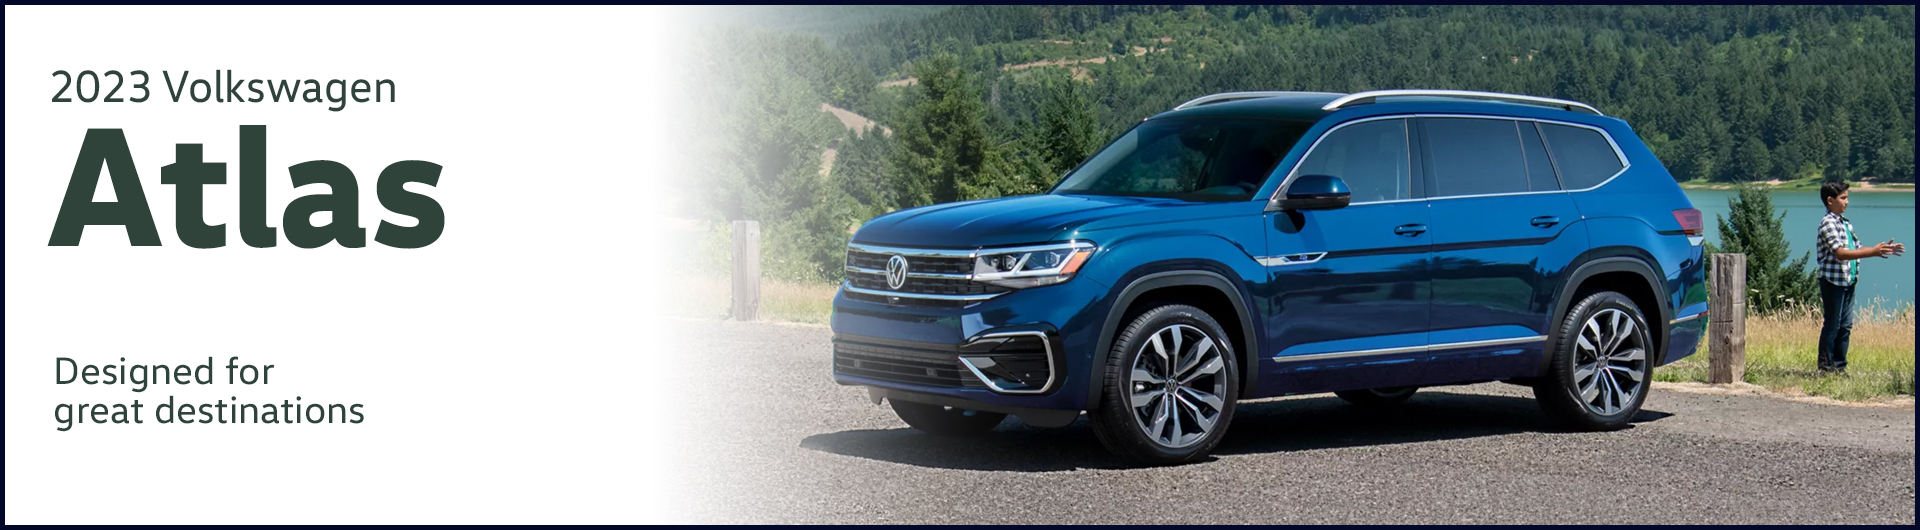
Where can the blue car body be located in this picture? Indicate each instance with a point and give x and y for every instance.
(1429, 290)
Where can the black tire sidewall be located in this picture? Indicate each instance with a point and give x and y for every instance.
(1559, 393)
(1113, 421)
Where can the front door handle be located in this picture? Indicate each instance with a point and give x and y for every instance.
(1410, 230)
(1545, 221)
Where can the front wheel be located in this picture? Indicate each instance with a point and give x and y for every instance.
(945, 421)
(1602, 365)
(1169, 387)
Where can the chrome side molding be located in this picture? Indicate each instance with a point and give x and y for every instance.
(1407, 349)
(1292, 259)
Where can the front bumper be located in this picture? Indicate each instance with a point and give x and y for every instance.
(1004, 361)
(1026, 350)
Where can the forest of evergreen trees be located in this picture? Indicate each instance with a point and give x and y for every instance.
(1721, 93)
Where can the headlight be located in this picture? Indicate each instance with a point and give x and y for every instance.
(1034, 266)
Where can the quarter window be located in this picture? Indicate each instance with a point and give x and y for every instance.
(1584, 157)
(1539, 167)
(1371, 157)
(1470, 156)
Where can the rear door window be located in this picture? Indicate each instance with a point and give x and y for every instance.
(1473, 156)
(1584, 157)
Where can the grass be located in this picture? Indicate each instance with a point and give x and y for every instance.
(1781, 352)
(711, 297)
(1780, 347)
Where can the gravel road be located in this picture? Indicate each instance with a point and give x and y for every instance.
(779, 442)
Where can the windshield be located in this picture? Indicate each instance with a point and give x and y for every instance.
(1201, 158)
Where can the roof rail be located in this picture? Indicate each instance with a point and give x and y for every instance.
(1369, 97)
(1235, 96)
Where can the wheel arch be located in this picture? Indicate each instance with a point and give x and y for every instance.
(1208, 290)
(1628, 274)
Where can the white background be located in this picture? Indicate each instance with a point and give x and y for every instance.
(505, 369)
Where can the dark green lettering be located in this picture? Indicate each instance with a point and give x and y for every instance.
(393, 195)
(342, 199)
(108, 148)
(253, 188)
(188, 174)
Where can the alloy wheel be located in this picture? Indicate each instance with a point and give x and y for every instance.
(1610, 362)
(1177, 383)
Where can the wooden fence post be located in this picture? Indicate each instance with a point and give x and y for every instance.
(1727, 320)
(746, 270)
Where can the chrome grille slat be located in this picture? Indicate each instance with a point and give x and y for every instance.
(934, 277)
(913, 274)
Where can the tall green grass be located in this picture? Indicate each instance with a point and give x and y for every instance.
(712, 297)
(1782, 351)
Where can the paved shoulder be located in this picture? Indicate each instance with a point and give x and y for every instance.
(784, 444)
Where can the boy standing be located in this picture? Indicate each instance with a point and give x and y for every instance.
(1839, 251)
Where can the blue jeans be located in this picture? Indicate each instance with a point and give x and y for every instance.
(1836, 324)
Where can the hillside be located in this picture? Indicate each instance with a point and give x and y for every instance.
(823, 21)
(1724, 93)
(989, 101)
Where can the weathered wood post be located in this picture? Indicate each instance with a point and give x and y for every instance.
(746, 270)
(1727, 320)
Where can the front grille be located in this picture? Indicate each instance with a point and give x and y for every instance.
(878, 261)
(867, 270)
(902, 365)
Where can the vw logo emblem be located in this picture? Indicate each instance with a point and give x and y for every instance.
(896, 272)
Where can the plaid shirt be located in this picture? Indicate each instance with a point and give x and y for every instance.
(1836, 232)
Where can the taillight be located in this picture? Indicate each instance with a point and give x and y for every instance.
(1689, 219)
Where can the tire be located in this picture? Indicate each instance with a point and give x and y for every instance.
(1378, 397)
(1136, 391)
(945, 421)
(1602, 365)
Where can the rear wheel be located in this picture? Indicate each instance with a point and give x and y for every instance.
(1169, 387)
(945, 421)
(1602, 365)
(1378, 397)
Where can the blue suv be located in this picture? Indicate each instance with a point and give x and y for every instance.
(1258, 244)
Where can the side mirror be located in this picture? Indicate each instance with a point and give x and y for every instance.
(1315, 192)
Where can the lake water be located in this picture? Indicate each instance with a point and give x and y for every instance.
(1876, 217)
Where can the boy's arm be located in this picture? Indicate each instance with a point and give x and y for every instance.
(1835, 238)
(1862, 252)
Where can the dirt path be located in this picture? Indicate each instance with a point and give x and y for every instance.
(1137, 51)
(1079, 72)
(859, 124)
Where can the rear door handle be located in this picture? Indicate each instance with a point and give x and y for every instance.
(1410, 230)
(1545, 221)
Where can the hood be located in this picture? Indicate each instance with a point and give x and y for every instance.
(1017, 220)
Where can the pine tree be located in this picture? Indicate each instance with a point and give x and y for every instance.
(1750, 161)
(1068, 128)
(1755, 230)
(944, 152)
(864, 168)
